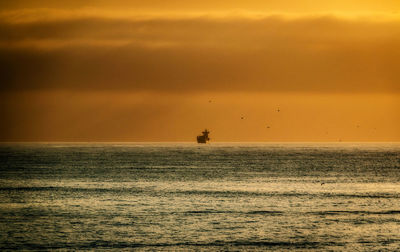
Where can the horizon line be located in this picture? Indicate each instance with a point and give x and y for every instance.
(127, 142)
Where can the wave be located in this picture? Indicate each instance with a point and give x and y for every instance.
(260, 212)
(125, 245)
(271, 212)
(69, 189)
(288, 194)
(212, 193)
(358, 212)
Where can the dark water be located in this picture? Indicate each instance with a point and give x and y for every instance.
(200, 197)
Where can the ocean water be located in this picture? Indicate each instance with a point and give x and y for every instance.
(189, 197)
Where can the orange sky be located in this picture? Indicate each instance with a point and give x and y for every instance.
(164, 70)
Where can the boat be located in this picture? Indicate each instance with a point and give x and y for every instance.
(203, 138)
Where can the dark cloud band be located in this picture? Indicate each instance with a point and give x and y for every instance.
(201, 54)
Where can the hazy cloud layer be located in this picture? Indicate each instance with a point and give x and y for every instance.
(132, 116)
(213, 5)
(322, 54)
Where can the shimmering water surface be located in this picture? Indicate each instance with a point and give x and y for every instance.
(200, 197)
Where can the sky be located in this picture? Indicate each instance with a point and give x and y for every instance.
(156, 70)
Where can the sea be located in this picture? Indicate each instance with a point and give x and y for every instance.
(200, 197)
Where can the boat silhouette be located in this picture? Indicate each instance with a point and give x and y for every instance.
(203, 138)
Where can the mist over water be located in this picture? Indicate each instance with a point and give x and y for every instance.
(181, 196)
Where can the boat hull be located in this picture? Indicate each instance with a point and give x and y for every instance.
(201, 139)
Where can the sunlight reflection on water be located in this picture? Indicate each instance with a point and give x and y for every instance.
(189, 197)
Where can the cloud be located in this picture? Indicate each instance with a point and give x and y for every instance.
(210, 5)
(273, 53)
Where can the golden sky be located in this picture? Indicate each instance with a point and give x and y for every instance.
(161, 70)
